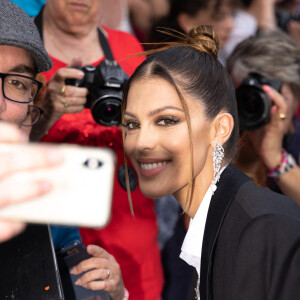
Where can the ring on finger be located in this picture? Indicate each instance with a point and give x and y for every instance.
(63, 90)
(65, 104)
(282, 116)
(108, 273)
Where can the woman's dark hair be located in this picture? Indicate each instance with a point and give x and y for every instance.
(191, 66)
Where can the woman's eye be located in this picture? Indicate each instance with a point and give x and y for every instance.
(131, 125)
(167, 122)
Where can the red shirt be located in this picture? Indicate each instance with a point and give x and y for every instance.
(131, 240)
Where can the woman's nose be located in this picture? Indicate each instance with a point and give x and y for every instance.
(146, 139)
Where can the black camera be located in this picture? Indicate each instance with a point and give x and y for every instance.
(284, 18)
(252, 101)
(105, 83)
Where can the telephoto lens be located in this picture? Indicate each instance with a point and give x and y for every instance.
(253, 103)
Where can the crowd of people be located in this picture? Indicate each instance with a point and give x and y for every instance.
(207, 141)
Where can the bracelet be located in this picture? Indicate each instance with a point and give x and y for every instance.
(287, 163)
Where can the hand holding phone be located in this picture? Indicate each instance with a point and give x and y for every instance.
(10, 164)
(81, 190)
(68, 257)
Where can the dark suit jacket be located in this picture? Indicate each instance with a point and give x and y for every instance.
(251, 245)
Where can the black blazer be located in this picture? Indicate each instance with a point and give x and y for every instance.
(251, 244)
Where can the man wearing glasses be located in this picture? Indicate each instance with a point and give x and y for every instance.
(22, 56)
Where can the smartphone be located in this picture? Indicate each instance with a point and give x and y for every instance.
(82, 188)
(68, 257)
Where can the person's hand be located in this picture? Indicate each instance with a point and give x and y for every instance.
(61, 98)
(104, 273)
(268, 139)
(12, 190)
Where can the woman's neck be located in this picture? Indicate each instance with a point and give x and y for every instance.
(67, 45)
(201, 184)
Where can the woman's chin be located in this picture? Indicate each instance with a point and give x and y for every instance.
(152, 194)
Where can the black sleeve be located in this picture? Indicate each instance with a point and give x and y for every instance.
(268, 260)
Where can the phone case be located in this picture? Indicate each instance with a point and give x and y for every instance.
(82, 188)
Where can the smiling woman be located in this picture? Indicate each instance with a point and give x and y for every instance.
(158, 138)
(180, 132)
(151, 108)
(74, 39)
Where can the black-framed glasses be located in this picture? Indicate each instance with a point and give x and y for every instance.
(19, 88)
(33, 115)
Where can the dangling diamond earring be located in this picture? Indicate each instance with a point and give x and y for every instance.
(218, 155)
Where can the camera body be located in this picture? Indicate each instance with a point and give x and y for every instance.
(253, 102)
(105, 83)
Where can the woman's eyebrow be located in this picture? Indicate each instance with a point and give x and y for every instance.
(168, 107)
(155, 111)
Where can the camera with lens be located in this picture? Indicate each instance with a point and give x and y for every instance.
(105, 83)
(284, 18)
(253, 102)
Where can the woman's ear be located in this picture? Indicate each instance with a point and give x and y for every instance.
(185, 22)
(223, 126)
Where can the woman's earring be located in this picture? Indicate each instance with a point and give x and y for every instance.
(218, 155)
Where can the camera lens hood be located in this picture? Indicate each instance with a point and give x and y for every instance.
(253, 107)
(106, 109)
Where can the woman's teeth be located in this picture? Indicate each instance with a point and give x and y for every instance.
(153, 166)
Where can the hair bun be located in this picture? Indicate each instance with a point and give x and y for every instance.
(204, 39)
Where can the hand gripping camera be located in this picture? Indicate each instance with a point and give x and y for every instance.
(105, 83)
(252, 101)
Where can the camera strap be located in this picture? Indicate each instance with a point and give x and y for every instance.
(102, 39)
(105, 46)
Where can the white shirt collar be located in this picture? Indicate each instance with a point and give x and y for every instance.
(191, 248)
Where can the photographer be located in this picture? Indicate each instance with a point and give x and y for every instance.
(71, 37)
(270, 144)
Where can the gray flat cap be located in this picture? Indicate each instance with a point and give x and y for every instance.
(17, 29)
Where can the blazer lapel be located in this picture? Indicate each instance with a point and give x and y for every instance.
(227, 187)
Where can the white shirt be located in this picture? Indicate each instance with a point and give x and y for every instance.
(191, 248)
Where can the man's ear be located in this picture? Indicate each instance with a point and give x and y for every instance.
(223, 126)
(185, 21)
